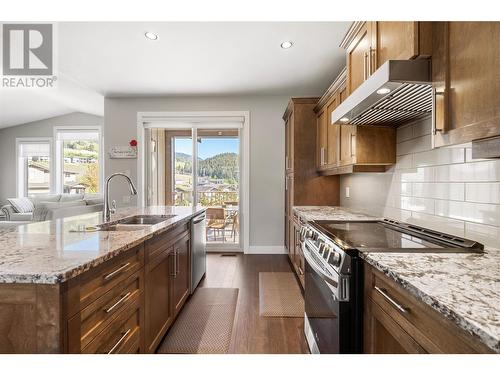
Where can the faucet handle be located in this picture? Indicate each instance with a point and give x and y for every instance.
(113, 207)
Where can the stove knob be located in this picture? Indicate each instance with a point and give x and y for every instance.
(321, 247)
(334, 259)
(309, 233)
(327, 249)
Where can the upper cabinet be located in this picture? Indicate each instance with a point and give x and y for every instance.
(466, 80)
(348, 148)
(370, 44)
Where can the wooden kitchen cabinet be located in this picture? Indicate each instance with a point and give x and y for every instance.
(370, 44)
(397, 322)
(167, 282)
(303, 185)
(467, 81)
(359, 54)
(181, 278)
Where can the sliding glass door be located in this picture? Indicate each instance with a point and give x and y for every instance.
(199, 165)
(218, 186)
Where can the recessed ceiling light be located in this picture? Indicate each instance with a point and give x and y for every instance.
(287, 44)
(150, 35)
(383, 91)
(344, 119)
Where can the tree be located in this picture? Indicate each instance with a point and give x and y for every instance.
(91, 178)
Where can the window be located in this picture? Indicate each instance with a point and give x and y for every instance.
(78, 156)
(33, 166)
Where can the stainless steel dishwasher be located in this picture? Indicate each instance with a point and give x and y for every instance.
(198, 250)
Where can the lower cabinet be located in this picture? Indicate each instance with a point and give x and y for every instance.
(167, 282)
(127, 304)
(397, 322)
(181, 275)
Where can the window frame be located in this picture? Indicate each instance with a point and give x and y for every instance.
(59, 157)
(22, 180)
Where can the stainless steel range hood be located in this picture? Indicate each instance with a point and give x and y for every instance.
(399, 91)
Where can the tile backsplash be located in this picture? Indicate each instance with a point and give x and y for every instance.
(442, 189)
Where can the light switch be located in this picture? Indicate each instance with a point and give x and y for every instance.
(347, 192)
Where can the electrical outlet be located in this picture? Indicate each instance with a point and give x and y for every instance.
(347, 192)
(126, 199)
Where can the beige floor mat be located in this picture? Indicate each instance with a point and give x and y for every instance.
(279, 295)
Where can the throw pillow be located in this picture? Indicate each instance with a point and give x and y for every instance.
(21, 205)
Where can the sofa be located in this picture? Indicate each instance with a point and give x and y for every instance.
(43, 207)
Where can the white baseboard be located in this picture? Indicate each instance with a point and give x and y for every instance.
(266, 250)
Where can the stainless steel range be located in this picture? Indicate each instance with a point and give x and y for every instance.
(333, 273)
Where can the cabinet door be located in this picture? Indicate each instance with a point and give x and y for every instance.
(158, 299)
(358, 58)
(382, 335)
(289, 144)
(322, 135)
(464, 67)
(333, 133)
(394, 41)
(347, 144)
(181, 278)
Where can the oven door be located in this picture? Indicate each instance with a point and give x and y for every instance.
(322, 307)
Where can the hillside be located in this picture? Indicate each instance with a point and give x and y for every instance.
(220, 166)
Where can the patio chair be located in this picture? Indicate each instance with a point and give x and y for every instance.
(216, 221)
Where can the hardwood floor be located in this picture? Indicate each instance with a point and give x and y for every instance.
(251, 333)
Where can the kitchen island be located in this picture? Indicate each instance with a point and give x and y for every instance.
(67, 288)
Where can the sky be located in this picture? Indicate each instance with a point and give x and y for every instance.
(208, 147)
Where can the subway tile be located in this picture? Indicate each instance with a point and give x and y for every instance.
(414, 145)
(396, 214)
(475, 212)
(417, 204)
(483, 192)
(415, 175)
(441, 190)
(468, 172)
(439, 157)
(468, 156)
(404, 133)
(404, 161)
(422, 128)
(405, 188)
(486, 234)
(441, 224)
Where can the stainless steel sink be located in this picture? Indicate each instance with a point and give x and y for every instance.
(145, 219)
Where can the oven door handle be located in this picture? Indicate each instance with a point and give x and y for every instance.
(310, 260)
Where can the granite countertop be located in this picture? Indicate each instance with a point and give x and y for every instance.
(49, 252)
(312, 213)
(465, 288)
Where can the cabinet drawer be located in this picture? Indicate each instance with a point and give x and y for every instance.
(109, 276)
(432, 331)
(122, 335)
(96, 316)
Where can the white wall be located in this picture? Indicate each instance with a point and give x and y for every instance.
(442, 189)
(42, 128)
(266, 150)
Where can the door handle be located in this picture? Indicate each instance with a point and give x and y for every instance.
(387, 297)
(438, 107)
(365, 66)
(352, 145)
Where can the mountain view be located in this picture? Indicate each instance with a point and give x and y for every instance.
(221, 166)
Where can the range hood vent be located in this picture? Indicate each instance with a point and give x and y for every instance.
(399, 91)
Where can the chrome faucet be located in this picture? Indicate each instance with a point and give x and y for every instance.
(106, 214)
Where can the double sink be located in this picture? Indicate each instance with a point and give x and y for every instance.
(137, 222)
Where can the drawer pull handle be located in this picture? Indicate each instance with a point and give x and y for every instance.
(118, 303)
(384, 294)
(117, 271)
(118, 343)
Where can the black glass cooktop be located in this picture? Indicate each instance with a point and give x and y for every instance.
(375, 235)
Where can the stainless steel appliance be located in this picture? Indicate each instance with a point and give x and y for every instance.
(334, 274)
(198, 250)
(399, 91)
